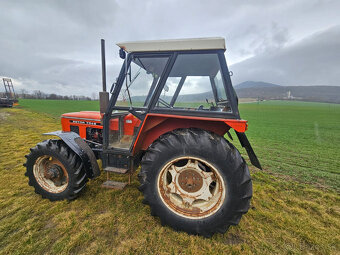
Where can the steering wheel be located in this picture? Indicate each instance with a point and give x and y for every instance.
(200, 107)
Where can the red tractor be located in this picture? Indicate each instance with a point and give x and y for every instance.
(169, 112)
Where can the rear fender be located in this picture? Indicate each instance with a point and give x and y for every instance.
(81, 148)
(155, 125)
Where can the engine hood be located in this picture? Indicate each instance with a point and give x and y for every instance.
(88, 115)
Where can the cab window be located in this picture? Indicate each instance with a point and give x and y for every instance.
(140, 81)
(195, 83)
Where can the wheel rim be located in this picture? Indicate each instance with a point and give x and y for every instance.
(191, 187)
(50, 174)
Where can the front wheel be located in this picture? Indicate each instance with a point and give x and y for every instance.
(55, 171)
(196, 182)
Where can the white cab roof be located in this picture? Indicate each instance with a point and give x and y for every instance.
(211, 43)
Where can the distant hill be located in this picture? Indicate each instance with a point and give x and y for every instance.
(199, 97)
(327, 94)
(268, 91)
(255, 84)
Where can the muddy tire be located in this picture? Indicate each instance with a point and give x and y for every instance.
(195, 181)
(55, 171)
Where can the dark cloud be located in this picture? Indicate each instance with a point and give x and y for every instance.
(54, 45)
(315, 60)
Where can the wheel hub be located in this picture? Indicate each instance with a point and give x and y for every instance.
(191, 187)
(54, 172)
(190, 181)
(50, 174)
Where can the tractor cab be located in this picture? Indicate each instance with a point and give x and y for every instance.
(173, 77)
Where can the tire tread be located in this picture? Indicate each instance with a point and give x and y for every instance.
(218, 145)
(75, 169)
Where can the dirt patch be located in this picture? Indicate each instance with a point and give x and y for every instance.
(233, 240)
(49, 225)
(3, 115)
(247, 100)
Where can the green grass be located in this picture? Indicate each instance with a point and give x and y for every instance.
(298, 139)
(295, 208)
(55, 108)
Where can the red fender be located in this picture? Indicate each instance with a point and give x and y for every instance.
(156, 125)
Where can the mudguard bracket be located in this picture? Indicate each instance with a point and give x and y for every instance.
(245, 143)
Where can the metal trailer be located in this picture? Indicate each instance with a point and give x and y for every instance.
(9, 98)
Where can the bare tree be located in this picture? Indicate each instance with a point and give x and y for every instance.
(37, 94)
(94, 96)
(23, 93)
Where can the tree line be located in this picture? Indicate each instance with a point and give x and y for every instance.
(37, 94)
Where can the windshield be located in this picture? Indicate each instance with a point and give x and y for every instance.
(140, 81)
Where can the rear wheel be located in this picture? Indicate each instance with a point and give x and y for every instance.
(195, 181)
(55, 171)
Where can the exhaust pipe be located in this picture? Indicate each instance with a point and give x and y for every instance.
(103, 64)
(103, 95)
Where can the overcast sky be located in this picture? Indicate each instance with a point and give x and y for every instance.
(54, 46)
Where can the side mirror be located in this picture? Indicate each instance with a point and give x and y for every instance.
(166, 88)
(122, 53)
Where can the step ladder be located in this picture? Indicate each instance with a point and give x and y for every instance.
(110, 184)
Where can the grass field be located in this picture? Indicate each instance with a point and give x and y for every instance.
(55, 108)
(295, 208)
